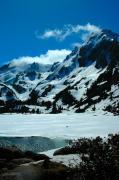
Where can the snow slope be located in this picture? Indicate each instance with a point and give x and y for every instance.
(86, 80)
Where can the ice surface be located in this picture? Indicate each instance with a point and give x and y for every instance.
(70, 160)
(66, 126)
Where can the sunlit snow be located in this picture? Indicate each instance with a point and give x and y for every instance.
(66, 126)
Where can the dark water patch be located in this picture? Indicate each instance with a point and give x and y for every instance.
(33, 143)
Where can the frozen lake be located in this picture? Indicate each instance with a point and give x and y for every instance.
(65, 126)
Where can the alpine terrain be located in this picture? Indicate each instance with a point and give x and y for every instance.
(87, 80)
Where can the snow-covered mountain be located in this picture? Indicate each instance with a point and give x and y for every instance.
(87, 80)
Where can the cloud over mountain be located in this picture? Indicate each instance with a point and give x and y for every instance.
(68, 30)
(50, 57)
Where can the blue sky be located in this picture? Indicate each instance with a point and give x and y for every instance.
(23, 24)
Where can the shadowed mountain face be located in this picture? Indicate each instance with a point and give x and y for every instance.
(101, 48)
(87, 80)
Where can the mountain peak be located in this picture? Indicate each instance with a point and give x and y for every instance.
(85, 80)
(110, 34)
(103, 35)
(100, 47)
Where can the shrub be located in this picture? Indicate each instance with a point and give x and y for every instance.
(99, 157)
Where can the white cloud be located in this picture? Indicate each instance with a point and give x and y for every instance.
(49, 33)
(54, 56)
(68, 30)
(49, 58)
